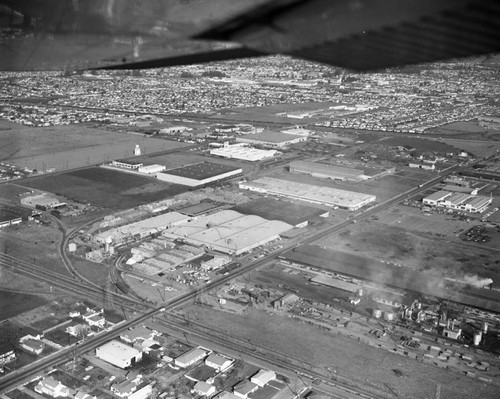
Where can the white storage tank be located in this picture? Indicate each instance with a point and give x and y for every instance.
(478, 336)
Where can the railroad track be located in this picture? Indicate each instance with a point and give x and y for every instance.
(67, 283)
(267, 355)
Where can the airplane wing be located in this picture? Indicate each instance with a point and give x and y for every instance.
(355, 34)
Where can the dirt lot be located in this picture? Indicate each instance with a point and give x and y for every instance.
(106, 188)
(421, 251)
(365, 365)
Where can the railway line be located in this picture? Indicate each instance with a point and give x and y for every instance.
(66, 283)
(80, 287)
(267, 355)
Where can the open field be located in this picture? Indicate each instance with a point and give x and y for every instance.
(13, 304)
(478, 148)
(106, 188)
(268, 113)
(366, 366)
(72, 146)
(468, 130)
(420, 144)
(36, 244)
(420, 251)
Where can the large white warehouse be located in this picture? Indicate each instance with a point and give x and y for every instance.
(141, 229)
(229, 231)
(118, 354)
(244, 152)
(306, 192)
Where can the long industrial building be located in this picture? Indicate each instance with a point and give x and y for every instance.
(336, 172)
(306, 192)
(458, 201)
(271, 139)
(229, 231)
(198, 174)
(141, 229)
(244, 152)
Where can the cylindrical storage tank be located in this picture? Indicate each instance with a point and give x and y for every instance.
(478, 335)
(389, 316)
(444, 316)
(484, 327)
(377, 313)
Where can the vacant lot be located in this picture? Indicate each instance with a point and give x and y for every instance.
(422, 145)
(106, 188)
(421, 251)
(36, 244)
(72, 146)
(13, 304)
(478, 148)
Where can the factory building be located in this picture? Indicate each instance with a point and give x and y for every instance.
(151, 169)
(118, 354)
(141, 229)
(199, 174)
(243, 152)
(458, 201)
(306, 192)
(42, 201)
(132, 165)
(326, 171)
(336, 172)
(229, 231)
(271, 139)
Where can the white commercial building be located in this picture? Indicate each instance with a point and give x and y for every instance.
(218, 362)
(151, 169)
(306, 192)
(229, 231)
(191, 357)
(244, 152)
(263, 377)
(118, 354)
(141, 229)
(459, 201)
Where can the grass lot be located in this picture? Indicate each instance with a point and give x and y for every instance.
(421, 251)
(366, 366)
(421, 145)
(478, 148)
(35, 244)
(106, 188)
(467, 130)
(13, 304)
(66, 147)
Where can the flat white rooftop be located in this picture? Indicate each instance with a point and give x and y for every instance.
(307, 192)
(230, 231)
